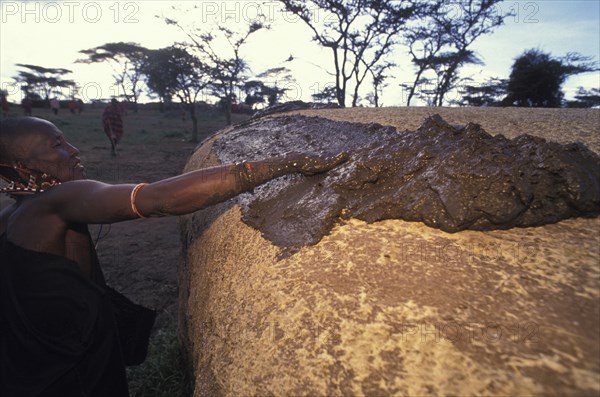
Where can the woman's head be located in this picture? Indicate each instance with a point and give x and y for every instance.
(36, 144)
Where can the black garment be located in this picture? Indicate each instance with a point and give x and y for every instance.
(63, 334)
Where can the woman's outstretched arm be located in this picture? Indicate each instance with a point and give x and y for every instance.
(198, 189)
(96, 202)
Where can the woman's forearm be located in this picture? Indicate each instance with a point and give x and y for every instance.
(198, 189)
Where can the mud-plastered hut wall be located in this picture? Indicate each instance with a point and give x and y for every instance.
(393, 307)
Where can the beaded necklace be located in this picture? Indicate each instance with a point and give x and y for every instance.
(35, 181)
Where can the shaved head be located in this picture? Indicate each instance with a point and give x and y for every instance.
(37, 144)
(12, 131)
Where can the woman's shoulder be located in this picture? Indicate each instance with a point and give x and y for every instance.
(72, 188)
(56, 197)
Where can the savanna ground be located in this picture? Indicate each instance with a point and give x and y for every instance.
(140, 258)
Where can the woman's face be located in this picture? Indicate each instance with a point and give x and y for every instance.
(46, 149)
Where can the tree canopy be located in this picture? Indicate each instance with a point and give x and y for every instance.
(439, 45)
(43, 81)
(227, 68)
(173, 71)
(130, 57)
(537, 77)
(585, 98)
(359, 33)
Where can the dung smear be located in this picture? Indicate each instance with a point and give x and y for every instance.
(448, 177)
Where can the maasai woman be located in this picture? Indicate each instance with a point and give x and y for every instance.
(63, 331)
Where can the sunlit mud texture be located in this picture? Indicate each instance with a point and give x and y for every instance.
(448, 177)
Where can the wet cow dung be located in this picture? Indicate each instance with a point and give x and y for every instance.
(449, 177)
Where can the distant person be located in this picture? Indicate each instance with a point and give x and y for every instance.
(63, 331)
(54, 105)
(72, 106)
(75, 106)
(4, 104)
(26, 103)
(113, 124)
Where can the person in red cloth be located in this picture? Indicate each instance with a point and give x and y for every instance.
(63, 331)
(113, 124)
(73, 105)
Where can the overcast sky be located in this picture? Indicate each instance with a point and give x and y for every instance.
(50, 34)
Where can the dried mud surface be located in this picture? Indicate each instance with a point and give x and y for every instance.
(395, 307)
(452, 178)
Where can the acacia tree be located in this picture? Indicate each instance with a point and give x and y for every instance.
(130, 58)
(173, 71)
(359, 33)
(488, 93)
(259, 92)
(536, 78)
(228, 70)
(327, 95)
(274, 81)
(440, 44)
(255, 91)
(424, 44)
(585, 98)
(158, 75)
(378, 78)
(43, 81)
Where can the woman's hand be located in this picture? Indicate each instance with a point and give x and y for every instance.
(314, 164)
